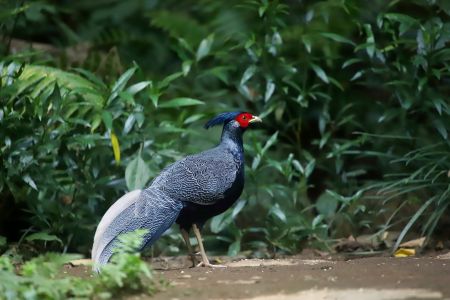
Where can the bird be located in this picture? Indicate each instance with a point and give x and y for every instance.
(188, 192)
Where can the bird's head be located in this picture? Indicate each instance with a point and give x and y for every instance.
(240, 119)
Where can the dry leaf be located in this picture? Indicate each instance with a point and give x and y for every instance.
(417, 243)
(444, 256)
(81, 262)
(404, 252)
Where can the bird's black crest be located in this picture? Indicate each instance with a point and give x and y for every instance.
(222, 118)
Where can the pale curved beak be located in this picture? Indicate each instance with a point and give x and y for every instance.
(255, 119)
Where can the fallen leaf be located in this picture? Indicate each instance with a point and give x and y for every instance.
(80, 262)
(417, 243)
(404, 252)
(444, 256)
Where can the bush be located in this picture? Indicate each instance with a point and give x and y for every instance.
(42, 277)
(352, 95)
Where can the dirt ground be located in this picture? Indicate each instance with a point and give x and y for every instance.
(308, 277)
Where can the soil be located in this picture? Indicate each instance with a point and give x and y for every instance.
(306, 277)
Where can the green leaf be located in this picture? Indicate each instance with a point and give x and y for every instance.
(320, 73)
(107, 119)
(234, 248)
(276, 211)
(220, 222)
(249, 72)
(193, 118)
(205, 47)
(238, 207)
(120, 84)
(326, 204)
(440, 127)
(405, 21)
(137, 174)
(337, 38)
(270, 88)
(370, 40)
(179, 102)
(411, 222)
(272, 140)
(297, 165)
(310, 168)
(136, 88)
(43, 236)
(30, 181)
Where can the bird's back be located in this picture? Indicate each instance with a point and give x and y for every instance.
(202, 178)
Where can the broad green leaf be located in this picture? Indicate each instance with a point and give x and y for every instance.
(43, 236)
(234, 248)
(249, 72)
(310, 168)
(317, 220)
(272, 140)
(27, 178)
(270, 88)
(326, 204)
(298, 166)
(128, 124)
(205, 47)
(220, 222)
(238, 207)
(440, 127)
(320, 73)
(193, 118)
(136, 88)
(370, 40)
(186, 67)
(137, 174)
(120, 84)
(350, 62)
(405, 21)
(276, 211)
(179, 102)
(107, 119)
(166, 81)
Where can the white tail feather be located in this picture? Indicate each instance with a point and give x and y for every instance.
(120, 205)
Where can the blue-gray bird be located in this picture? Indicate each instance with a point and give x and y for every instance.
(188, 192)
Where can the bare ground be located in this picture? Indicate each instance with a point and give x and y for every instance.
(307, 277)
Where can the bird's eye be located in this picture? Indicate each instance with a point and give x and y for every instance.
(244, 117)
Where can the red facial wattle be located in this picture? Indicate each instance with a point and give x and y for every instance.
(244, 119)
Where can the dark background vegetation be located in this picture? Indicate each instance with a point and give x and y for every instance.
(354, 96)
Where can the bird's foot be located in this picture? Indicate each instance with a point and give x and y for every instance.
(193, 260)
(209, 265)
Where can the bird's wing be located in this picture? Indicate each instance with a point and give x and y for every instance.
(201, 178)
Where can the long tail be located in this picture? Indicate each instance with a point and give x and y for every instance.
(147, 209)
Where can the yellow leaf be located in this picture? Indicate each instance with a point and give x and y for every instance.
(404, 252)
(413, 243)
(116, 147)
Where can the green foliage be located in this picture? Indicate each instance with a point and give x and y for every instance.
(41, 278)
(353, 97)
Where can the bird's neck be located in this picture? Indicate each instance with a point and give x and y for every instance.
(232, 138)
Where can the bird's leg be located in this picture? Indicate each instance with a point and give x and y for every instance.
(205, 262)
(191, 253)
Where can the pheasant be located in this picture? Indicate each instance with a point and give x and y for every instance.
(187, 192)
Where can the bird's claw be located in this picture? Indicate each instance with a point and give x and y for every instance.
(209, 265)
